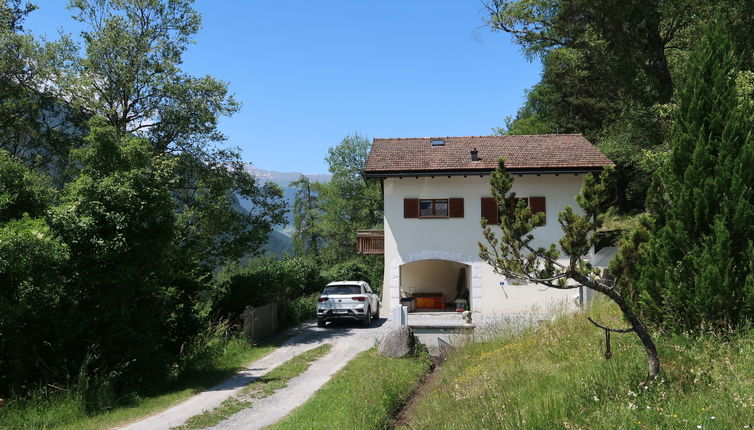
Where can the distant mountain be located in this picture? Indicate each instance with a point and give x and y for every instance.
(278, 244)
(284, 179)
(279, 240)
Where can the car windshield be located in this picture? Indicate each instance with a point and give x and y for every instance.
(342, 289)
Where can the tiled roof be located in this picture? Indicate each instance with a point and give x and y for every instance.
(524, 152)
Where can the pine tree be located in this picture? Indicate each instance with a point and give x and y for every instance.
(306, 214)
(697, 265)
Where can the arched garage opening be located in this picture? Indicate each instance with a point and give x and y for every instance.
(434, 285)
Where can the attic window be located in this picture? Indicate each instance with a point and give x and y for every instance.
(438, 142)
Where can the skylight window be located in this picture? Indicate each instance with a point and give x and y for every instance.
(438, 142)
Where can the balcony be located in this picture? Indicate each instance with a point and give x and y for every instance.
(370, 241)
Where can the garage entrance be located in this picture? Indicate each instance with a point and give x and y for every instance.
(434, 285)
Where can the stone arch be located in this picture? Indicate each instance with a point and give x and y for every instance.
(475, 266)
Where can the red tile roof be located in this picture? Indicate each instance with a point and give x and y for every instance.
(541, 152)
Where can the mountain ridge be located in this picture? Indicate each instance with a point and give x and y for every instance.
(284, 178)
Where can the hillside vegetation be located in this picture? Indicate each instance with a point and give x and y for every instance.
(556, 376)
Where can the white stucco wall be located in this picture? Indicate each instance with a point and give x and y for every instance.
(457, 239)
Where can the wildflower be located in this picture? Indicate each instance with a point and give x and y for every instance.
(713, 417)
(631, 406)
(699, 426)
(596, 399)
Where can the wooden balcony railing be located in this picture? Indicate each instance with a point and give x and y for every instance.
(370, 241)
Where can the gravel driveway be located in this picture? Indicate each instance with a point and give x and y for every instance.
(347, 340)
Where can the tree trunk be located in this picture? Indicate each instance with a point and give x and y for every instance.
(658, 63)
(641, 332)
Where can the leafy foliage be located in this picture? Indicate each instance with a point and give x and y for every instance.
(32, 257)
(117, 219)
(353, 270)
(612, 72)
(345, 204)
(264, 281)
(116, 202)
(35, 126)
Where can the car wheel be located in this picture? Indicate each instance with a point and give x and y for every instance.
(321, 323)
(367, 321)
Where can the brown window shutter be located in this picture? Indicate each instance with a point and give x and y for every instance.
(489, 210)
(410, 208)
(456, 208)
(538, 205)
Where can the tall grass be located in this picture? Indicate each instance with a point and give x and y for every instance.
(92, 404)
(555, 376)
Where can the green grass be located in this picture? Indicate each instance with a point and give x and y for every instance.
(363, 395)
(265, 386)
(65, 410)
(555, 376)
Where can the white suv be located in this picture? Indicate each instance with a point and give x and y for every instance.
(347, 300)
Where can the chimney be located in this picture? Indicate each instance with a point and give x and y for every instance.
(474, 155)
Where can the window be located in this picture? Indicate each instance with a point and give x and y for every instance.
(489, 207)
(433, 208)
(342, 289)
(438, 142)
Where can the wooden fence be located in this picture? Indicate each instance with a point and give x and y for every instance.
(261, 322)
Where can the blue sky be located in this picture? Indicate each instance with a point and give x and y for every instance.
(309, 73)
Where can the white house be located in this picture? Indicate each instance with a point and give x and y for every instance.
(436, 190)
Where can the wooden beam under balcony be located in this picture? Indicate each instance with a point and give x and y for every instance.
(370, 241)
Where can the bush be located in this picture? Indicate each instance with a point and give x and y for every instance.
(293, 312)
(264, 281)
(352, 270)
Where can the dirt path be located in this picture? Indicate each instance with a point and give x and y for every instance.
(347, 341)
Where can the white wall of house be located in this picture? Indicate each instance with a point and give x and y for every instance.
(456, 239)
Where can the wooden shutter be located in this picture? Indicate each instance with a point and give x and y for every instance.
(489, 210)
(538, 205)
(410, 208)
(455, 208)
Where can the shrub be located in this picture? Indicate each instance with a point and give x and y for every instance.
(295, 311)
(352, 270)
(264, 281)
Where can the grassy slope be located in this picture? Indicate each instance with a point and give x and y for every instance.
(362, 395)
(556, 377)
(66, 411)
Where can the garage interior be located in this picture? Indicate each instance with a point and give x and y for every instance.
(434, 285)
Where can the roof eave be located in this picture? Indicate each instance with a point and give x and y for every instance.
(481, 172)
